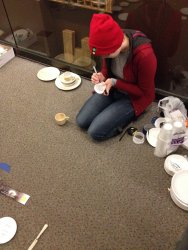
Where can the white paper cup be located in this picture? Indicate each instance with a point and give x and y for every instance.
(99, 88)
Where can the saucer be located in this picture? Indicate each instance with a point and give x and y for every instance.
(152, 135)
(8, 228)
(60, 85)
(48, 73)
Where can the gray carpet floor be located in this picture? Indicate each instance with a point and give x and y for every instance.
(110, 195)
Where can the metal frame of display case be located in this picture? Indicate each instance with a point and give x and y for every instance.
(100, 5)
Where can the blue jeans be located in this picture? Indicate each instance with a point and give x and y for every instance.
(105, 116)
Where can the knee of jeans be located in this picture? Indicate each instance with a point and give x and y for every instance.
(80, 122)
(95, 134)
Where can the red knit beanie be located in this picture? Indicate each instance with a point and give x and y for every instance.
(105, 35)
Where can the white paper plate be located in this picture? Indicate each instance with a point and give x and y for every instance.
(152, 135)
(184, 11)
(175, 163)
(123, 16)
(48, 73)
(8, 228)
(179, 187)
(62, 86)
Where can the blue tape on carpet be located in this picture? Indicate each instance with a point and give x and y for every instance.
(5, 167)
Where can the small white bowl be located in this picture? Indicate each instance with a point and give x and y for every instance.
(67, 77)
(99, 88)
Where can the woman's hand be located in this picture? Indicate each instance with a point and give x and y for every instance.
(108, 84)
(97, 77)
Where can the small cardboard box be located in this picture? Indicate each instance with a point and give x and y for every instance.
(6, 54)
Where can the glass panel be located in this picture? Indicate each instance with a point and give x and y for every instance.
(163, 22)
(5, 28)
(57, 31)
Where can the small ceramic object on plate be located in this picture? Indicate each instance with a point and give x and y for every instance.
(184, 11)
(175, 163)
(8, 228)
(152, 135)
(124, 4)
(178, 189)
(48, 73)
(67, 78)
(60, 85)
(99, 88)
(123, 16)
(61, 118)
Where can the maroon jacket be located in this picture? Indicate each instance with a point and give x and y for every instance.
(139, 72)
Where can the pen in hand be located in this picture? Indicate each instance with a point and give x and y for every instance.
(94, 69)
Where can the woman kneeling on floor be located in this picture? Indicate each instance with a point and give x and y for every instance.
(128, 72)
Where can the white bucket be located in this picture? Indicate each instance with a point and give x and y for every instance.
(179, 189)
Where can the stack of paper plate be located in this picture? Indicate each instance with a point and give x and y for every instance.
(179, 189)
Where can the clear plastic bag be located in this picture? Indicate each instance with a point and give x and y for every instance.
(170, 105)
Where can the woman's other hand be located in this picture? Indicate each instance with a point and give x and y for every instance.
(109, 85)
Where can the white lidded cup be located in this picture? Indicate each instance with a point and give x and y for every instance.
(61, 118)
(165, 133)
(163, 140)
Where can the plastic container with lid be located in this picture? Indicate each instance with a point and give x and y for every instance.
(175, 163)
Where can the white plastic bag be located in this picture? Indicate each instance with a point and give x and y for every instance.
(170, 104)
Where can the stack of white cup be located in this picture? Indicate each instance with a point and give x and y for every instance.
(164, 140)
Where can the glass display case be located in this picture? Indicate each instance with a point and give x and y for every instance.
(55, 32)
